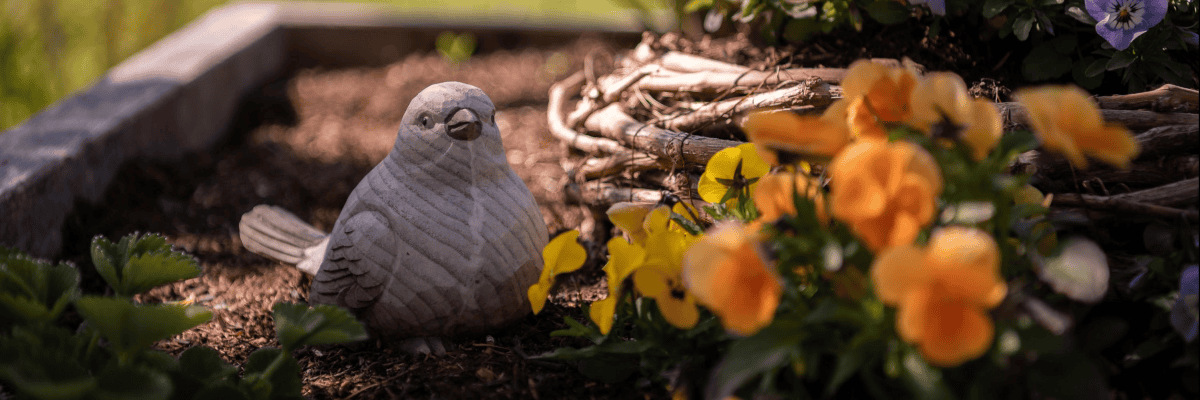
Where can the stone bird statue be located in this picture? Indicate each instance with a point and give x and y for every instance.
(440, 238)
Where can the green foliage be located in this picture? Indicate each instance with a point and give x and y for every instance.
(130, 327)
(456, 48)
(32, 291)
(1060, 34)
(109, 355)
(137, 263)
(297, 325)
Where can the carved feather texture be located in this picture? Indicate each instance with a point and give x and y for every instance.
(441, 237)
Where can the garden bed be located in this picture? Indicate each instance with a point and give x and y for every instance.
(303, 141)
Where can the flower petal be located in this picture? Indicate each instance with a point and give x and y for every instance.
(629, 217)
(955, 333)
(681, 313)
(898, 271)
(537, 295)
(602, 312)
(564, 253)
(725, 272)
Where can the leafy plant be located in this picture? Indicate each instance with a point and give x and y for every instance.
(110, 355)
(917, 263)
(137, 263)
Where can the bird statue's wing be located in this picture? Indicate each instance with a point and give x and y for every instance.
(359, 261)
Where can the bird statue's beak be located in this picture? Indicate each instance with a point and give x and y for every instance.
(464, 124)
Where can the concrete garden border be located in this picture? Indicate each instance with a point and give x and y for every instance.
(180, 95)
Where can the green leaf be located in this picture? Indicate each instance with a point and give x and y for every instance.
(1097, 67)
(132, 382)
(1082, 73)
(204, 363)
(220, 391)
(132, 327)
(576, 329)
(622, 347)
(831, 310)
(275, 370)
(1022, 25)
(1120, 59)
(887, 12)
(1064, 44)
(31, 290)
(697, 5)
(1014, 143)
(1068, 374)
(45, 362)
(865, 348)
(992, 8)
(801, 29)
(137, 264)
(1044, 62)
(297, 325)
(149, 270)
(767, 350)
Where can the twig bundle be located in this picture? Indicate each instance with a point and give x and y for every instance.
(653, 121)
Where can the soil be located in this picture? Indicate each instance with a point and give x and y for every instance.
(305, 141)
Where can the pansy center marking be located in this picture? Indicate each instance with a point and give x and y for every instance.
(1124, 14)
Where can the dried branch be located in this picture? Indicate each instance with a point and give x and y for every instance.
(678, 181)
(600, 167)
(1171, 139)
(671, 147)
(812, 92)
(1015, 117)
(1157, 142)
(1140, 202)
(1143, 174)
(1167, 98)
(1184, 193)
(554, 116)
(610, 92)
(708, 81)
(676, 61)
(604, 194)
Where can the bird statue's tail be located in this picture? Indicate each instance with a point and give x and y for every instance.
(274, 233)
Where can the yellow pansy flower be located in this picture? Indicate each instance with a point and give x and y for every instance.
(623, 259)
(660, 277)
(719, 173)
(562, 255)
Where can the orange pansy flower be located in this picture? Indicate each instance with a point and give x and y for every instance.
(885, 191)
(944, 96)
(773, 196)
(885, 90)
(727, 274)
(805, 135)
(942, 292)
(1068, 122)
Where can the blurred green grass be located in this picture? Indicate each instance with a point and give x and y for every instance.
(52, 48)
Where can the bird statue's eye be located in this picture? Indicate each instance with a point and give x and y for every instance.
(424, 120)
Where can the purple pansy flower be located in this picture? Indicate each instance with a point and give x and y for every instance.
(1185, 314)
(1121, 21)
(937, 6)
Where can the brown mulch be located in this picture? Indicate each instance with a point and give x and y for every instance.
(303, 143)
